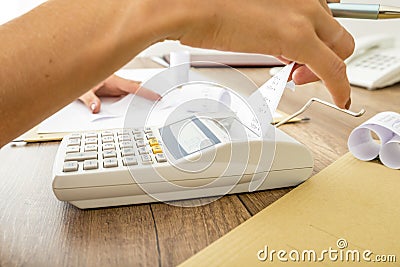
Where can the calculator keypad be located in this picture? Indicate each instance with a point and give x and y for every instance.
(112, 149)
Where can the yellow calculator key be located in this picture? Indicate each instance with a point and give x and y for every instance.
(153, 142)
(157, 149)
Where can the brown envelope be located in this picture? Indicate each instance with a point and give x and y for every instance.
(350, 201)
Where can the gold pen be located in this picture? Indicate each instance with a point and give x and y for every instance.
(364, 11)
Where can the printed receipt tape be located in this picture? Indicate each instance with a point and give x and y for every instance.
(268, 96)
(264, 101)
(386, 126)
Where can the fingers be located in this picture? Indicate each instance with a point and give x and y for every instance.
(115, 86)
(91, 101)
(323, 58)
(334, 40)
(120, 86)
(303, 75)
(148, 94)
(331, 69)
(324, 4)
(334, 35)
(337, 44)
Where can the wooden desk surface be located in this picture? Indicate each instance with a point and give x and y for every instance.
(38, 230)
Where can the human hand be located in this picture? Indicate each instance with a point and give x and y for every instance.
(305, 33)
(301, 73)
(115, 86)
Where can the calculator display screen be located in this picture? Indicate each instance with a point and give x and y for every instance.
(187, 136)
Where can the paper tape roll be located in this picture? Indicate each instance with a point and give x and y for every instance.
(392, 147)
(386, 126)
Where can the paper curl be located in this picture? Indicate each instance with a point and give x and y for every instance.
(386, 126)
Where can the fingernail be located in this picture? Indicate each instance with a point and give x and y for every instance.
(348, 104)
(93, 106)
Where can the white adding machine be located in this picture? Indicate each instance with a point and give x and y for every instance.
(190, 157)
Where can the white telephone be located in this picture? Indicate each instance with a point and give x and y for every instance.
(375, 63)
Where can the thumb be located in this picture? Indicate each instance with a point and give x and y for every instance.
(91, 101)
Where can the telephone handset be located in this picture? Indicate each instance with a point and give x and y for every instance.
(375, 63)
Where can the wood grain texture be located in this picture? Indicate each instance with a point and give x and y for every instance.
(38, 230)
(182, 231)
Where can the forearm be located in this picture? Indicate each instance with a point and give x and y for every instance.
(55, 53)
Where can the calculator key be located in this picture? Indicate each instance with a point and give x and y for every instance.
(91, 135)
(109, 154)
(74, 142)
(90, 164)
(90, 148)
(89, 141)
(123, 138)
(127, 152)
(143, 150)
(108, 146)
(161, 157)
(146, 159)
(137, 131)
(75, 136)
(123, 132)
(140, 143)
(139, 136)
(107, 133)
(129, 161)
(157, 149)
(110, 163)
(72, 149)
(147, 130)
(80, 156)
(126, 144)
(153, 142)
(150, 136)
(108, 139)
(71, 166)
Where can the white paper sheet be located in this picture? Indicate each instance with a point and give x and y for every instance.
(76, 117)
(386, 126)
